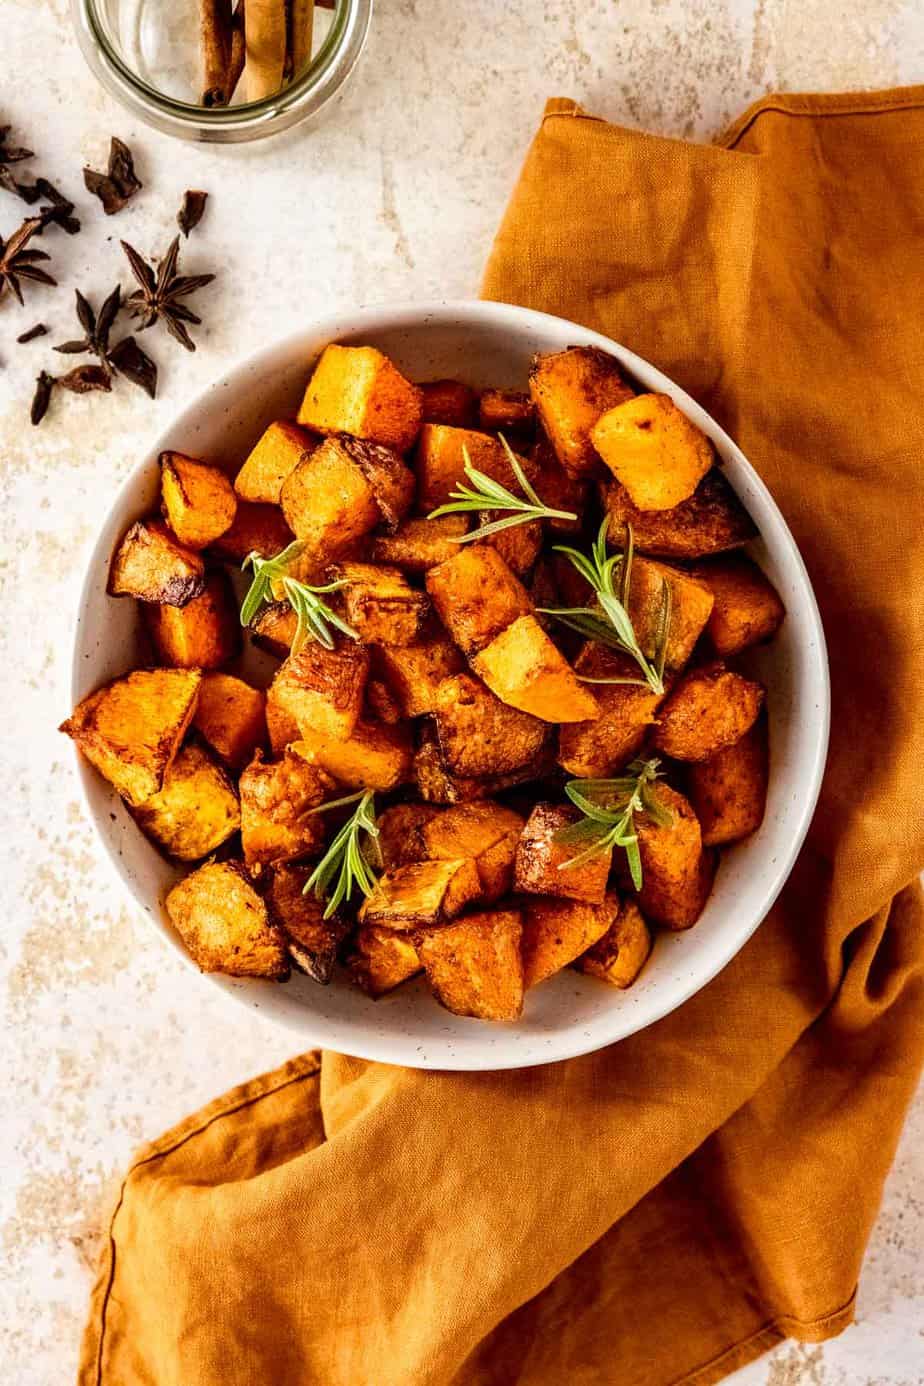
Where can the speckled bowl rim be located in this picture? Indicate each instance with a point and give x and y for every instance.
(492, 1047)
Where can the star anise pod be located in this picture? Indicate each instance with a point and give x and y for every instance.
(159, 294)
(119, 183)
(17, 262)
(125, 358)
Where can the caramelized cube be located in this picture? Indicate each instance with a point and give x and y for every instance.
(414, 672)
(449, 402)
(195, 811)
(523, 668)
(598, 749)
(198, 501)
(421, 894)
(373, 756)
(542, 858)
(653, 449)
(273, 628)
(273, 458)
(226, 925)
(278, 799)
(418, 544)
(747, 609)
(312, 941)
(711, 707)
(476, 596)
(710, 521)
(152, 565)
(621, 953)
(328, 502)
(474, 966)
(555, 932)
(571, 389)
(358, 390)
(259, 529)
(231, 717)
(401, 838)
(381, 959)
(478, 734)
(381, 604)
(729, 790)
(677, 874)
(322, 690)
(486, 832)
(691, 606)
(507, 411)
(203, 634)
(518, 545)
(437, 784)
(440, 462)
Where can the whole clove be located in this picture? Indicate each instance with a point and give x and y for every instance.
(39, 330)
(44, 385)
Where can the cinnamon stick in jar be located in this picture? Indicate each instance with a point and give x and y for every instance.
(302, 23)
(215, 46)
(265, 42)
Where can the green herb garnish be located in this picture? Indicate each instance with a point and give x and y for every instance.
(609, 808)
(314, 616)
(487, 494)
(344, 857)
(610, 624)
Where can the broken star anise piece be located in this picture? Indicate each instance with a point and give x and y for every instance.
(118, 183)
(10, 154)
(18, 262)
(191, 209)
(159, 294)
(82, 379)
(129, 360)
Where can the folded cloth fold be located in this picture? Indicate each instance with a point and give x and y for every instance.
(668, 1208)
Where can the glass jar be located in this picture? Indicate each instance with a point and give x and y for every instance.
(146, 54)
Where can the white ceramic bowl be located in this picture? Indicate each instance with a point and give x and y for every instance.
(483, 343)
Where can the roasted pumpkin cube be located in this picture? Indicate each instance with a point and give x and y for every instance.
(558, 489)
(710, 521)
(677, 873)
(486, 832)
(273, 628)
(518, 545)
(131, 729)
(418, 544)
(506, 411)
(437, 784)
(274, 456)
(358, 390)
(152, 565)
(198, 501)
(542, 858)
(203, 634)
(729, 790)
(278, 803)
(401, 839)
(323, 689)
(619, 955)
(525, 669)
(373, 756)
(392, 481)
(476, 596)
(195, 811)
(226, 925)
(474, 965)
(381, 703)
(259, 529)
(381, 605)
(381, 959)
(231, 717)
(312, 941)
(691, 606)
(710, 708)
(449, 402)
(421, 894)
(571, 389)
(440, 462)
(747, 609)
(555, 932)
(480, 735)
(281, 726)
(597, 749)
(414, 672)
(654, 450)
(328, 502)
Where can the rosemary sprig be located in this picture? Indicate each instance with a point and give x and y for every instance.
(344, 857)
(609, 808)
(487, 494)
(614, 627)
(314, 616)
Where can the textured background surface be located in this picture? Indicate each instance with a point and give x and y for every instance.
(106, 1040)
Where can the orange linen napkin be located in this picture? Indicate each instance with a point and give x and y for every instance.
(669, 1208)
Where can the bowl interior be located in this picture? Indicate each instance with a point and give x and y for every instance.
(481, 343)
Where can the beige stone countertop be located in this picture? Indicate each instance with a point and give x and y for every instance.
(107, 1039)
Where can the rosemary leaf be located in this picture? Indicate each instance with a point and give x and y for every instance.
(485, 493)
(315, 620)
(609, 808)
(344, 857)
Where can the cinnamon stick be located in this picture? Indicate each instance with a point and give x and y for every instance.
(215, 48)
(237, 49)
(265, 40)
(302, 23)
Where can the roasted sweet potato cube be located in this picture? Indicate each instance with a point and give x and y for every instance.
(256, 529)
(418, 544)
(691, 605)
(203, 634)
(518, 545)
(710, 708)
(474, 966)
(421, 894)
(273, 628)
(480, 735)
(278, 803)
(392, 481)
(449, 402)
(198, 501)
(747, 608)
(323, 689)
(677, 873)
(729, 790)
(525, 669)
(231, 717)
(381, 959)
(373, 756)
(328, 502)
(358, 390)
(312, 940)
(597, 749)
(486, 832)
(555, 932)
(281, 726)
(274, 456)
(131, 729)
(195, 811)
(542, 858)
(437, 784)
(621, 953)
(226, 925)
(440, 462)
(710, 521)
(414, 672)
(381, 703)
(507, 411)
(654, 450)
(557, 488)
(401, 830)
(476, 596)
(381, 605)
(152, 565)
(571, 390)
